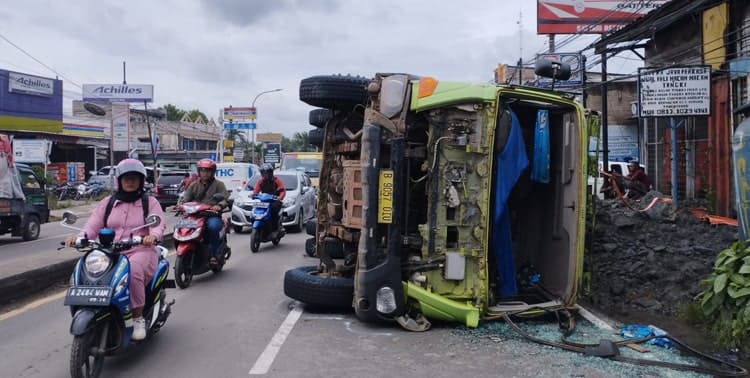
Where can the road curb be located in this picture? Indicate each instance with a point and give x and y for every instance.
(34, 281)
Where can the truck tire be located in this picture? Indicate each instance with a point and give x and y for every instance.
(320, 117)
(31, 228)
(305, 285)
(315, 137)
(337, 92)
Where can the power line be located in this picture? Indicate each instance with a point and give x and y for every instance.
(39, 61)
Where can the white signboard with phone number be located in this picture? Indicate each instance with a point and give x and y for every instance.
(675, 91)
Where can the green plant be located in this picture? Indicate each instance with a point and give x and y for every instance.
(726, 298)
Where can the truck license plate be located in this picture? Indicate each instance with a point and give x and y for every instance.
(385, 197)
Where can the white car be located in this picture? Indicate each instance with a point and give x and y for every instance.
(297, 207)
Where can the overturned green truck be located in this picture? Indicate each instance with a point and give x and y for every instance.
(443, 200)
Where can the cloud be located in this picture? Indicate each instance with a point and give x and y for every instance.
(245, 13)
(208, 54)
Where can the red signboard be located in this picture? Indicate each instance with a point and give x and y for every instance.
(590, 16)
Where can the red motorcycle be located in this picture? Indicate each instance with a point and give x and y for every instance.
(191, 245)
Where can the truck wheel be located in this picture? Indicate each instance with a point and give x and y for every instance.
(32, 228)
(310, 247)
(320, 117)
(337, 92)
(315, 137)
(305, 285)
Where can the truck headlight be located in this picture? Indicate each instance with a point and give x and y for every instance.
(385, 300)
(96, 262)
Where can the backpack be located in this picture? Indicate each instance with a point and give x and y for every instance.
(111, 204)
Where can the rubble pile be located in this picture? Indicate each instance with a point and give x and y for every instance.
(650, 262)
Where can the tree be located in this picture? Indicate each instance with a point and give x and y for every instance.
(195, 115)
(173, 112)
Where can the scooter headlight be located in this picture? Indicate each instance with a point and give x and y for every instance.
(190, 209)
(96, 262)
(386, 300)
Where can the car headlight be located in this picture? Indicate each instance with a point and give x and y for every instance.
(96, 262)
(287, 202)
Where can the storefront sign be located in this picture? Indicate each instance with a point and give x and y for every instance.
(590, 16)
(31, 150)
(675, 91)
(29, 84)
(118, 92)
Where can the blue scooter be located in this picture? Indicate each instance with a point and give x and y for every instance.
(262, 230)
(99, 298)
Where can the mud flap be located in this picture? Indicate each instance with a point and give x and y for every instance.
(83, 320)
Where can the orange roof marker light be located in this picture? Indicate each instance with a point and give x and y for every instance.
(427, 86)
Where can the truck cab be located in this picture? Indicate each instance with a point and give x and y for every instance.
(23, 215)
(447, 201)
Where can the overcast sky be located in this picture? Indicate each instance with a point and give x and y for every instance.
(208, 54)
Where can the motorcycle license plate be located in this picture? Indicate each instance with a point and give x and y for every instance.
(88, 296)
(187, 224)
(260, 205)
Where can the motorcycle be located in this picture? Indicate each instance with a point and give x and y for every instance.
(99, 298)
(193, 256)
(262, 230)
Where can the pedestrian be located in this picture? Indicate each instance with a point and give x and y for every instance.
(637, 181)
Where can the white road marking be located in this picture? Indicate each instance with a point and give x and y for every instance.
(263, 363)
(32, 305)
(594, 319)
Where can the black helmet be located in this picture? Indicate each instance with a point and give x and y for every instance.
(266, 170)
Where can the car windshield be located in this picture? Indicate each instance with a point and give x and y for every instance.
(290, 181)
(251, 182)
(170, 179)
(310, 165)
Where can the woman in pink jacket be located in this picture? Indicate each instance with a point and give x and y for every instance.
(127, 213)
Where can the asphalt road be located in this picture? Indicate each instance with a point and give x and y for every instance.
(239, 323)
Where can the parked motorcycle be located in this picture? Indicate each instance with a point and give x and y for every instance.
(192, 246)
(99, 298)
(262, 228)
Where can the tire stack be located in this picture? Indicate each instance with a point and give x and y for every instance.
(340, 100)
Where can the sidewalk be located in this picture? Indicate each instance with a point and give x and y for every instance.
(27, 275)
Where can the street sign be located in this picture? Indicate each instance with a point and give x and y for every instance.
(675, 91)
(247, 113)
(238, 155)
(239, 126)
(272, 153)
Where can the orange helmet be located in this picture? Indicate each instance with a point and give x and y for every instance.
(206, 164)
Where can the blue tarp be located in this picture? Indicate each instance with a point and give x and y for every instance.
(540, 164)
(509, 164)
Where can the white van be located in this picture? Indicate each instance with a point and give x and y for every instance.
(235, 175)
(619, 167)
